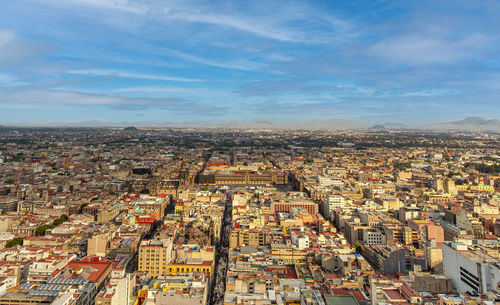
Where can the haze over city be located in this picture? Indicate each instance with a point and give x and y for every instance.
(255, 63)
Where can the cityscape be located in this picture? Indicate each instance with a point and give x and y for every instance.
(218, 152)
(228, 216)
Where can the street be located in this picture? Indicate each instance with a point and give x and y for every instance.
(216, 294)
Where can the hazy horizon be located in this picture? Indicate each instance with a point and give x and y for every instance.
(118, 62)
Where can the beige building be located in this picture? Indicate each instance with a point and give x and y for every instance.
(253, 237)
(107, 214)
(434, 256)
(288, 254)
(5, 224)
(155, 256)
(96, 246)
(186, 251)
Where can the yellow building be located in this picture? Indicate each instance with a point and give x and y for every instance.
(288, 254)
(483, 188)
(258, 221)
(179, 207)
(142, 295)
(391, 203)
(476, 188)
(437, 198)
(154, 256)
(411, 237)
(189, 266)
(240, 237)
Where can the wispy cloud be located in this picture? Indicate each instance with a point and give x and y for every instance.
(121, 5)
(327, 58)
(6, 38)
(275, 21)
(37, 96)
(64, 97)
(177, 90)
(317, 88)
(431, 93)
(256, 28)
(125, 74)
(240, 65)
(9, 80)
(429, 48)
(286, 26)
(14, 49)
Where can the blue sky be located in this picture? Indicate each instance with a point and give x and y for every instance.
(210, 62)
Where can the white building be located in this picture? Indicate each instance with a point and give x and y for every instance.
(300, 240)
(123, 283)
(470, 270)
(333, 203)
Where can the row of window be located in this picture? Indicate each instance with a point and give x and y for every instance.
(173, 269)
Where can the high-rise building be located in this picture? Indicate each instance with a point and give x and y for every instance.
(333, 203)
(470, 270)
(154, 256)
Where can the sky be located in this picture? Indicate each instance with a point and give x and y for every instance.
(187, 62)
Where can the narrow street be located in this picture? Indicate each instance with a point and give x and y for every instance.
(218, 285)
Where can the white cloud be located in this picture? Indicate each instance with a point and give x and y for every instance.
(277, 22)
(274, 21)
(122, 5)
(428, 48)
(6, 38)
(49, 98)
(9, 80)
(124, 74)
(14, 49)
(430, 93)
(177, 90)
(253, 27)
(241, 65)
(57, 97)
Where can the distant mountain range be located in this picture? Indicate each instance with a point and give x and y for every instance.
(378, 127)
(466, 124)
(130, 129)
(470, 123)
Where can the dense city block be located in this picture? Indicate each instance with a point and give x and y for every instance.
(158, 216)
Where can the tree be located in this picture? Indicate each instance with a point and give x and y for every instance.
(145, 191)
(15, 242)
(60, 220)
(402, 165)
(358, 247)
(40, 231)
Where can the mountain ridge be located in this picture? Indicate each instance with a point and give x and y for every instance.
(471, 123)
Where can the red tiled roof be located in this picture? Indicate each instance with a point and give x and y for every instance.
(408, 292)
(393, 294)
(99, 267)
(359, 296)
(341, 291)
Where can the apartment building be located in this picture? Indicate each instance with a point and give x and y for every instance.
(154, 256)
